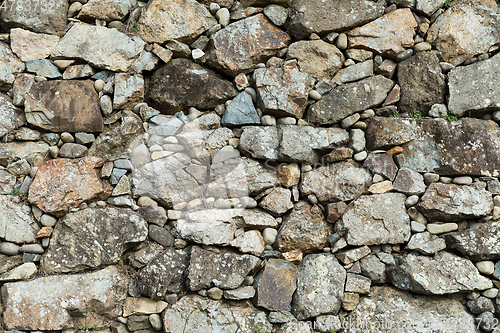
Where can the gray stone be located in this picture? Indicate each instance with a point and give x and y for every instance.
(129, 90)
(444, 273)
(480, 304)
(11, 117)
(384, 215)
(240, 293)
(161, 236)
(355, 72)
(19, 168)
(277, 14)
(154, 214)
(24, 272)
(426, 243)
(33, 152)
(349, 256)
(409, 182)
(9, 65)
(479, 242)
(278, 201)
(249, 242)
(109, 10)
(373, 268)
(241, 111)
(276, 284)
(382, 164)
(43, 68)
(428, 7)
(72, 150)
(17, 224)
(295, 327)
(9, 249)
(320, 287)
(348, 99)
(357, 284)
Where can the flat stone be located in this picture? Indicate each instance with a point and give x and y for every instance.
(357, 284)
(11, 117)
(384, 215)
(241, 111)
(133, 306)
(99, 46)
(109, 10)
(382, 187)
(62, 184)
(146, 61)
(426, 243)
(16, 221)
(409, 182)
(276, 284)
(322, 17)
(258, 219)
(159, 22)
(320, 287)
(28, 45)
(64, 106)
(24, 272)
(304, 229)
(182, 83)
(249, 242)
(338, 154)
(450, 202)
(479, 242)
(43, 68)
(224, 270)
(382, 164)
(129, 91)
(9, 66)
(379, 36)
(60, 294)
(355, 72)
(78, 72)
(72, 150)
(444, 273)
(341, 181)
(441, 228)
(238, 48)
(278, 201)
(33, 152)
(282, 92)
(348, 99)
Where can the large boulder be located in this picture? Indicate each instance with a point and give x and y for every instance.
(28, 45)
(479, 242)
(16, 221)
(99, 238)
(11, 117)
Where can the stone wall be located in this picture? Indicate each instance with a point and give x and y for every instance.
(256, 166)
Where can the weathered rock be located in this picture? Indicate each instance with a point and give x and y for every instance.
(182, 83)
(32, 46)
(43, 68)
(426, 243)
(160, 21)
(99, 238)
(146, 253)
(321, 17)
(33, 152)
(275, 285)
(409, 182)
(357, 284)
(349, 99)
(72, 150)
(164, 274)
(291, 143)
(129, 91)
(16, 221)
(69, 299)
(99, 46)
(48, 18)
(436, 145)
(355, 72)
(78, 72)
(450, 202)
(243, 44)
(382, 164)
(249, 242)
(466, 29)
(388, 35)
(146, 61)
(141, 305)
(258, 219)
(11, 117)
(340, 181)
(316, 58)
(304, 229)
(278, 201)
(109, 10)
(241, 111)
(9, 65)
(373, 268)
(282, 92)
(399, 311)
(428, 7)
(7, 182)
(320, 287)
(224, 270)
(479, 242)
(194, 313)
(350, 256)
(422, 83)
(24, 272)
(473, 91)
(445, 273)
(64, 106)
(376, 219)
(62, 184)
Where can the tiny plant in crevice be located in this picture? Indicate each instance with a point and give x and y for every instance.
(258, 329)
(450, 117)
(416, 115)
(395, 114)
(132, 29)
(15, 192)
(447, 4)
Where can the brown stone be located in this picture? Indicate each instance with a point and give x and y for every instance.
(278, 202)
(162, 53)
(382, 164)
(243, 44)
(44, 232)
(276, 285)
(387, 68)
(335, 210)
(294, 256)
(388, 35)
(350, 301)
(107, 10)
(395, 150)
(62, 184)
(289, 174)
(64, 106)
(338, 154)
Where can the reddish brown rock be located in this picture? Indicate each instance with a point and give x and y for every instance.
(387, 68)
(107, 10)
(278, 202)
(243, 44)
(44, 232)
(335, 210)
(289, 174)
(338, 154)
(62, 184)
(64, 106)
(276, 285)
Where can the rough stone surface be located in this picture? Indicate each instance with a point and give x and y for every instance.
(480, 241)
(241, 111)
(275, 285)
(409, 182)
(445, 273)
(249, 242)
(11, 117)
(32, 46)
(376, 219)
(108, 10)
(16, 221)
(9, 66)
(33, 152)
(348, 99)
(277, 202)
(320, 287)
(129, 91)
(382, 164)
(426, 243)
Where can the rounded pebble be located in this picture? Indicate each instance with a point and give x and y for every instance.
(436, 229)
(286, 121)
(223, 17)
(361, 156)
(32, 248)
(99, 85)
(269, 235)
(67, 137)
(404, 55)
(420, 47)
(411, 201)
(74, 8)
(155, 321)
(430, 178)
(214, 7)
(464, 180)
(490, 293)
(485, 267)
(342, 41)
(9, 249)
(417, 227)
(268, 120)
(48, 221)
(315, 95)
(146, 202)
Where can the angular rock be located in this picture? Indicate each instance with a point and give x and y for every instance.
(342, 181)
(241, 111)
(445, 273)
(282, 92)
(243, 44)
(291, 143)
(450, 202)
(33, 152)
(99, 238)
(194, 313)
(109, 10)
(64, 106)
(146, 61)
(304, 229)
(9, 65)
(479, 242)
(62, 184)
(16, 221)
(472, 96)
(240, 293)
(428, 7)
(376, 219)
(466, 29)
(249, 242)
(422, 83)
(24, 272)
(321, 17)
(48, 17)
(400, 311)
(129, 91)
(388, 35)
(258, 219)
(426, 243)
(43, 68)
(355, 72)
(183, 20)
(348, 99)
(78, 72)
(278, 201)
(141, 305)
(99, 46)
(69, 299)
(164, 274)
(275, 285)
(28, 45)
(182, 83)
(357, 284)
(373, 268)
(320, 287)
(224, 270)
(409, 182)
(7, 182)
(382, 164)
(11, 117)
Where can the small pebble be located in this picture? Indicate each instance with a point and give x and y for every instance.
(420, 47)
(417, 227)
(268, 120)
(155, 321)
(214, 7)
(490, 293)
(286, 121)
(411, 201)
(464, 180)
(361, 156)
(485, 267)
(48, 221)
(146, 202)
(74, 8)
(436, 228)
(342, 41)
(315, 95)
(445, 180)
(67, 137)
(404, 55)
(99, 85)
(430, 178)
(269, 235)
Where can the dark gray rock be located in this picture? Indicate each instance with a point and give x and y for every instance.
(479, 242)
(240, 112)
(275, 285)
(382, 164)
